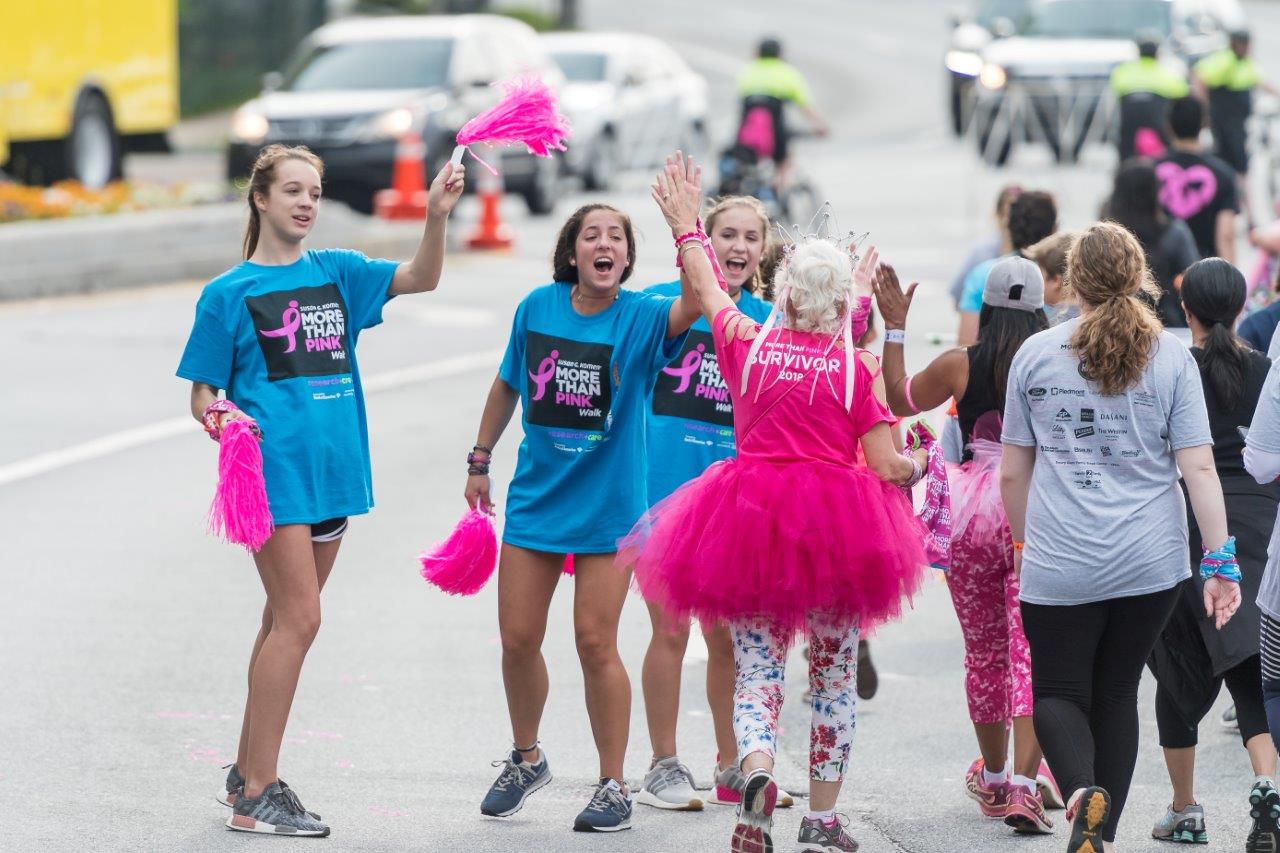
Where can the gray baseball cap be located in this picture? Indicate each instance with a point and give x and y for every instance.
(1015, 282)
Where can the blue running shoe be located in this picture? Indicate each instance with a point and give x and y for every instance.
(608, 811)
(514, 784)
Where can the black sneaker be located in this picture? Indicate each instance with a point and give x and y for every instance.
(235, 787)
(514, 785)
(274, 812)
(608, 811)
(1264, 808)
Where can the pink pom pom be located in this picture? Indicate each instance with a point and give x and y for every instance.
(463, 563)
(529, 114)
(568, 564)
(240, 512)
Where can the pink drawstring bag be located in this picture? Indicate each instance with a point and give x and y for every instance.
(463, 563)
(528, 113)
(240, 512)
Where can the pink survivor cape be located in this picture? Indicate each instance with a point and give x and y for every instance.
(793, 523)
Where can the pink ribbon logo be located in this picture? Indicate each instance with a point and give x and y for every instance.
(546, 370)
(688, 367)
(1186, 192)
(290, 322)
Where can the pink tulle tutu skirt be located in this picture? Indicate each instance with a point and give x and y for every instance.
(753, 537)
(977, 510)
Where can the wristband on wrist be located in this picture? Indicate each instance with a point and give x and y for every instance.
(211, 419)
(1221, 562)
(1018, 546)
(895, 336)
(917, 473)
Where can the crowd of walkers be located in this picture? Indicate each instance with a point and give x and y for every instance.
(1112, 483)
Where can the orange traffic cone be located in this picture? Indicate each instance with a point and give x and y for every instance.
(491, 232)
(407, 196)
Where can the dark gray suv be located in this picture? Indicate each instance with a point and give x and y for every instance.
(355, 86)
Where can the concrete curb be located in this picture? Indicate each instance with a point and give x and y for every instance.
(61, 257)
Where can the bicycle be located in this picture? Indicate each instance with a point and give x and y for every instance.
(743, 172)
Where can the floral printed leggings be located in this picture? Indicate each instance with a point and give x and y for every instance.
(997, 660)
(760, 655)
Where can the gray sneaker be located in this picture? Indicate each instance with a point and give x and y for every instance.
(1186, 826)
(817, 837)
(235, 787)
(669, 785)
(727, 789)
(274, 812)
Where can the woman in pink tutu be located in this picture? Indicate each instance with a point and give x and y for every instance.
(791, 534)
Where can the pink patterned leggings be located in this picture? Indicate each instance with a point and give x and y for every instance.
(760, 654)
(997, 660)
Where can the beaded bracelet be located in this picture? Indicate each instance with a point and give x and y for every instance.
(1221, 562)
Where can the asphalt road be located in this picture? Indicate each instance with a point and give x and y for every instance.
(124, 629)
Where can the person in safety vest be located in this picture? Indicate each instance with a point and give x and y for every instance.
(1144, 89)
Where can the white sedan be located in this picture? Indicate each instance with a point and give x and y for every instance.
(632, 101)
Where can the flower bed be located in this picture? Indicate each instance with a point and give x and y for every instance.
(69, 198)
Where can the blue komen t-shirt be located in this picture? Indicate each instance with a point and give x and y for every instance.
(583, 384)
(280, 340)
(690, 415)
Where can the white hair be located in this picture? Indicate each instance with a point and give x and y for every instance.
(819, 277)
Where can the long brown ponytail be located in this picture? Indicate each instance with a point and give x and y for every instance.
(1107, 270)
(263, 176)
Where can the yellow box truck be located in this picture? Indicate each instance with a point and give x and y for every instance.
(81, 82)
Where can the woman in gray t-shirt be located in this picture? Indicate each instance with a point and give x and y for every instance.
(1100, 415)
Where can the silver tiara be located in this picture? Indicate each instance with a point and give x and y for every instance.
(822, 227)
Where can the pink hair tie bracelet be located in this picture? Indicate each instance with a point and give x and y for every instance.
(906, 390)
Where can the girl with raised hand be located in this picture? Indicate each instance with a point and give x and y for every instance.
(981, 580)
(1101, 415)
(277, 332)
(582, 360)
(792, 534)
(690, 426)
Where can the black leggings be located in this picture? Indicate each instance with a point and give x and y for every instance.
(1086, 662)
(1179, 716)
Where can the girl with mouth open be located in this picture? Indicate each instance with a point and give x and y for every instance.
(277, 332)
(582, 360)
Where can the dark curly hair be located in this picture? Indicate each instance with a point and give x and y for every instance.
(562, 258)
(1032, 217)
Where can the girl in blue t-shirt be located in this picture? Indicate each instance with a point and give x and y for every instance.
(582, 360)
(690, 425)
(277, 333)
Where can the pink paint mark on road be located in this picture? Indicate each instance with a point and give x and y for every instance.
(388, 812)
(345, 765)
(206, 755)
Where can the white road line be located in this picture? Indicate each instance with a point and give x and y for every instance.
(117, 442)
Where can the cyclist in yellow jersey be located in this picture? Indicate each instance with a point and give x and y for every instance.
(765, 87)
(1144, 89)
